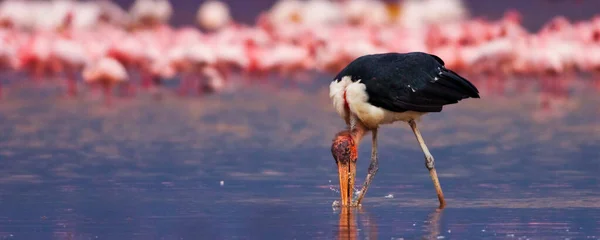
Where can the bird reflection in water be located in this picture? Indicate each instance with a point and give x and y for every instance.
(433, 228)
(348, 225)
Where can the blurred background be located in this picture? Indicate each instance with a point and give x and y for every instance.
(202, 45)
(537, 11)
(156, 119)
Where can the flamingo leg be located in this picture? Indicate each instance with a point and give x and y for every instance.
(146, 79)
(429, 163)
(226, 71)
(202, 86)
(184, 84)
(158, 83)
(107, 93)
(72, 85)
(131, 90)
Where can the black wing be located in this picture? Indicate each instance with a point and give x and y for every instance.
(409, 82)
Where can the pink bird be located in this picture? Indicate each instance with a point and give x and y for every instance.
(70, 56)
(106, 72)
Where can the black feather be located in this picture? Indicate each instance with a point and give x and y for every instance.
(413, 81)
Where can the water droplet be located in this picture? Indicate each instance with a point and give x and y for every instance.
(222, 183)
(356, 194)
(389, 196)
(449, 231)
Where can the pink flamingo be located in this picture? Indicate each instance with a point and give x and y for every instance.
(129, 52)
(33, 56)
(161, 69)
(8, 54)
(213, 15)
(71, 57)
(107, 72)
(200, 57)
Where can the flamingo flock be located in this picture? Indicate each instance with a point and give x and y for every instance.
(99, 44)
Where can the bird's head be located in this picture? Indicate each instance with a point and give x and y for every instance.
(344, 151)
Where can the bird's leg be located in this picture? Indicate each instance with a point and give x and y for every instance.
(145, 79)
(184, 83)
(353, 122)
(373, 167)
(107, 87)
(429, 163)
(157, 83)
(72, 83)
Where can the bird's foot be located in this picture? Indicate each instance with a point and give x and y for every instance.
(338, 204)
(355, 204)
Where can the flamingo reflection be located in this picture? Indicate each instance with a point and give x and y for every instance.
(557, 96)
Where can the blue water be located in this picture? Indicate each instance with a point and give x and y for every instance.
(255, 164)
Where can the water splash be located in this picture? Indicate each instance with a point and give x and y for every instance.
(333, 188)
(356, 194)
(336, 189)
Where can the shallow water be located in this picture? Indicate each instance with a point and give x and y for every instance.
(255, 164)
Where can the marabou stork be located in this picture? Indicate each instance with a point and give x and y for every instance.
(382, 89)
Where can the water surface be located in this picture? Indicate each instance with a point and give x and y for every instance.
(255, 164)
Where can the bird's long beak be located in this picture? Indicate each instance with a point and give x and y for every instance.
(344, 152)
(347, 172)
